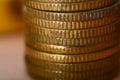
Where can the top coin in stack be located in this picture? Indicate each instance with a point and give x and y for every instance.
(68, 5)
(77, 20)
(73, 16)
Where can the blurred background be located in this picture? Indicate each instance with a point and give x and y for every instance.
(12, 65)
(10, 16)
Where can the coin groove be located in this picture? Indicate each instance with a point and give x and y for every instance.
(71, 50)
(109, 76)
(69, 1)
(78, 16)
(71, 24)
(65, 7)
(96, 65)
(71, 58)
(84, 33)
(77, 42)
(69, 75)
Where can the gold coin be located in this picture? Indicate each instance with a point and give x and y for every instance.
(72, 58)
(70, 1)
(110, 76)
(71, 50)
(31, 38)
(65, 7)
(71, 24)
(84, 33)
(96, 65)
(70, 75)
(76, 16)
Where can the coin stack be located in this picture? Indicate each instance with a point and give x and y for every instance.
(72, 39)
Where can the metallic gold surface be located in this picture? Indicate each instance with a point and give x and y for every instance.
(71, 24)
(70, 1)
(69, 75)
(77, 16)
(71, 41)
(72, 58)
(71, 50)
(109, 76)
(89, 66)
(83, 33)
(65, 7)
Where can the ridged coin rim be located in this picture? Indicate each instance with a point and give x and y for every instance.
(65, 7)
(78, 16)
(88, 57)
(70, 41)
(71, 24)
(96, 65)
(56, 49)
(82, 33)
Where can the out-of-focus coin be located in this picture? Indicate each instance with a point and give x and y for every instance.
(108, 76)
(88, 57)
(77, 16)
(65, 7)
(83, 33)
(71, 24)
(71, 50)
(90, 66)
(84, 75)
(71, 41)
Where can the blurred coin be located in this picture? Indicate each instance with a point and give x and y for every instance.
(110, 76)
(69, 75)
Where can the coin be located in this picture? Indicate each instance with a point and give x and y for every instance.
(36, 77)
(69, 75)
(78, 16)
(71, 50)
(65, 7)
(72, 58)
(70, 41)
(108, 76)
(72, 24)
(83, 33)
(70, 1)
(88, 66)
